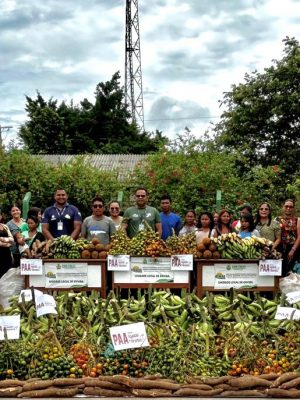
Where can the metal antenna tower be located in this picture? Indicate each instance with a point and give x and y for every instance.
(133, 66)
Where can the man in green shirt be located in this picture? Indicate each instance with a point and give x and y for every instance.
(141, 215)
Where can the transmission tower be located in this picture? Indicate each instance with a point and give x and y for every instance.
(133, 66)
(2, 129)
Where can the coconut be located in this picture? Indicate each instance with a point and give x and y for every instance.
(94, 254)
(100, 247)
(206, 241)
(95, 241)
(201, 246)
(199, 254)
(102, 254)
(216, 255)
(85, 254)
(207, 254)
(107, 247)
(212, 248)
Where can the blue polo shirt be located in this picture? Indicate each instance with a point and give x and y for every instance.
(54, 217)
(169, 222)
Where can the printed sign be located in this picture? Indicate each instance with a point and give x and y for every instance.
(182, 262)
(235, 276)
(293, 297)
(27, 294)
(270, 267)
(10, 327)
(31, 266)
(287, 313)
(149, 270)
(45, 304)
(120, 262)
(129, 336)
(66, 275)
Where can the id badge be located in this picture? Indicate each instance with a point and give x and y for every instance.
(59, 226)
(141, 227)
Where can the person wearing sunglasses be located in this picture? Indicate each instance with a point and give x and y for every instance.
(141, 216)
(266, 226)
(62, 218)
(290, 236)
(98, 225)
(114, 209)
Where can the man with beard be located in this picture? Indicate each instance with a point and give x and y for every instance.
(62, 218)
(140, 216)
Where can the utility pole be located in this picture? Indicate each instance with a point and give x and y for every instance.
(133, 66)
(3, 128)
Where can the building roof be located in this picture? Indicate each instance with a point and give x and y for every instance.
(123, 163)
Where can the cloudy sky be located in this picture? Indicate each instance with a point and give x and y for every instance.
(192, 52)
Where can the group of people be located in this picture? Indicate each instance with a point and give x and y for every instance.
(63, 218)
(283, 231)
(19, 235)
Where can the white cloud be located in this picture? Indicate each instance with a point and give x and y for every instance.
(192, 52)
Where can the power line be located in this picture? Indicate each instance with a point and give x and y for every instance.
(174, 119)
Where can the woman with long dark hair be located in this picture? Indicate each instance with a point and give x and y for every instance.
(248, 227)
(205, 226)
(290, 236)
(14, 226)
(223, 225)
(189, 223)
(266, 226)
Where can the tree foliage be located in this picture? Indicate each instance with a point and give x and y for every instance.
(101, 127)
(192, 177)
(262, 120)
(22, 172)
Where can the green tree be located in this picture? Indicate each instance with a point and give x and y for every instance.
(22, 172)
(102, 127)
(45, 129)
(262, 121)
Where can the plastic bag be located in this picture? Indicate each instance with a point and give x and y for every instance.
(11, 283)
(297, 267)
(290, 283)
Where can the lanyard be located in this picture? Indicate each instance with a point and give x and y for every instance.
(60, 213)
(143, 214)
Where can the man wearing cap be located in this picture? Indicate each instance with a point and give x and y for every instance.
(244, 209)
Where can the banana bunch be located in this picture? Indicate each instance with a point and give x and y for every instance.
(266, 246)
(66, 247)
(261, 309)
(231, 246)
(81, 243)
(239, 305)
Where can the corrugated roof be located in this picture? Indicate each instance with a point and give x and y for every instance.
(123, 163)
